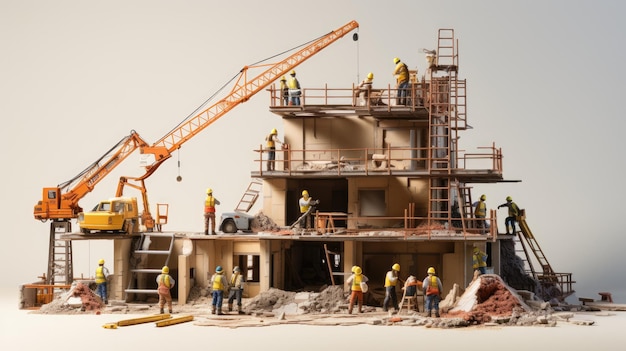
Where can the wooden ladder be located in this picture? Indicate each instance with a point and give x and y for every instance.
(60, 267)
(250, 196)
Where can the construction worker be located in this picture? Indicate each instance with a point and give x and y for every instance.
(102, 276)
(284, 92)
(272, 140)
(391, 280)
(431, 287)
(209, 211)
(364, 89)
(165, 283)
(479, 260)
(218, 285)
(306, 202)
(514, 212)
(356, 289)
(294, 89)
(401, 72)
(236, 290)
(480, 211)
(411, 285)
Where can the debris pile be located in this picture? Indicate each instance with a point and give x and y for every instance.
(262, 222)
(78, 299)
(488, 298)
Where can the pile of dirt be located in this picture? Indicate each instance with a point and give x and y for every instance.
(262, 223)
(488, 298)
(78, 299)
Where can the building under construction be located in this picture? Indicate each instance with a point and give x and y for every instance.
(393, 184)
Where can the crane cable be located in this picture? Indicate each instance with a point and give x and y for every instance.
(227, 84)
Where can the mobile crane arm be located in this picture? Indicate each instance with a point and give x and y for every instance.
(64, 206)
(60, 203)
(241, 92)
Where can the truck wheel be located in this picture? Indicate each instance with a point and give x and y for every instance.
(85, 230)
(229, 226)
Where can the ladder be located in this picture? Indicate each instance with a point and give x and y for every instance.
(528, 242)
(60, 268)
(250, 196)
(145, 266)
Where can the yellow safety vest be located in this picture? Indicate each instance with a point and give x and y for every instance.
(388, 281)
(165, 280)
(100, 278)
(217, 282)
(481, 209)
(209, 204)
(270, 140)
(356, 282)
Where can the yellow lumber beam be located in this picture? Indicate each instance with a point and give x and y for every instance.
(173, 321)
(110, 326)
(133, 321)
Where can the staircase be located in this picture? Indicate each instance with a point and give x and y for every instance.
(60, 268)
(148, 262)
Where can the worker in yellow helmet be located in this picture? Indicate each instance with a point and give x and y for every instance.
(294, 89)
(362, 92)
(236, 290)
(209, 212)
(401, 72)
(357, 281)
(219, 284)
(480, 211)
(102, 276)
(165, 283)
(391, 280)
(432, 287)
(284, 92)
(306, 204)
(514, 212)
(479, 260)
(271, 140)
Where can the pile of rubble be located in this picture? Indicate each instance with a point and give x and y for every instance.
(79, 298)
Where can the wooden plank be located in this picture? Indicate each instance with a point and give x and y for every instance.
(173, 321)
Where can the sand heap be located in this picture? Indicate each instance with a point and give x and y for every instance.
(78, 299)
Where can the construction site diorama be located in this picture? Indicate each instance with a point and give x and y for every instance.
(392, 183)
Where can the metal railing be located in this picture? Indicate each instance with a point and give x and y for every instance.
(376, 161)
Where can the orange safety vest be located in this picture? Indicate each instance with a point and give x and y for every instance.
(209, 204)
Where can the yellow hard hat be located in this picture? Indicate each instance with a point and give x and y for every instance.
(305, 193)
(274, 131)
(395, 267)
(508, 198)
(431, 270)
(293, 73)
(370, 75)
(101, 261)
(358, 270)
(165, 269)
(353, 268)
(476, 249)
(283, 78)
(396, 60)
(483, 197)
(209, 191)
